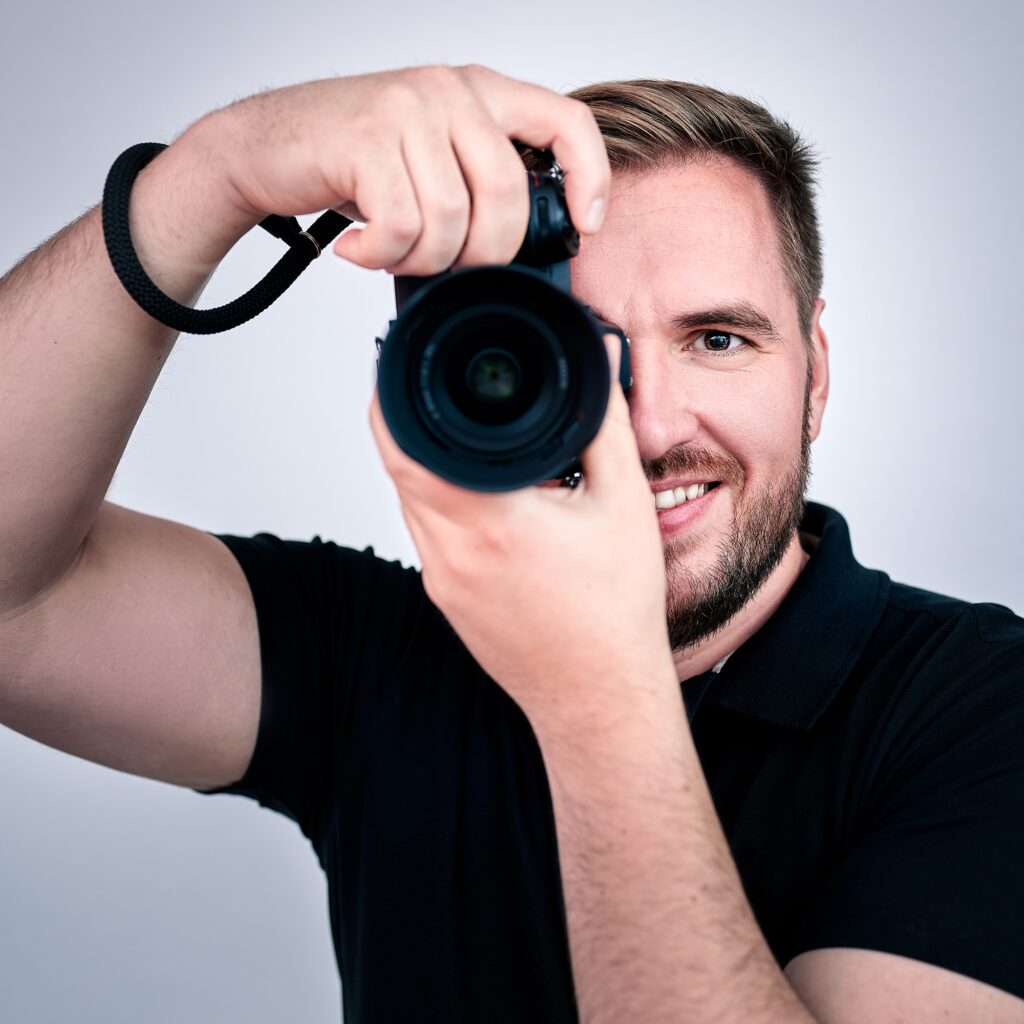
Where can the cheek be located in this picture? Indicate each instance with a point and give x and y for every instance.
(761, 425)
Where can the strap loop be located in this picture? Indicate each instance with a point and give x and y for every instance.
(304, 246)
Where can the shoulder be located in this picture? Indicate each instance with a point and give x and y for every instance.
(937, 705)
(951, 643)
(994, 623)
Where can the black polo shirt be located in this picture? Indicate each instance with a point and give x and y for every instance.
(865, 752)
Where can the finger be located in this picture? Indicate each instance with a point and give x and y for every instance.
(613, 346)
(416, 484)
(352, 212)
(385, 196)
(442, 197)
(498, 185)
(613, 454)
(396, 462)
(545, 119)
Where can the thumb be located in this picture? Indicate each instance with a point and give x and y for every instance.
(613, 452)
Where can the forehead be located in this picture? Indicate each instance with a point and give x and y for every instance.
(690, 236)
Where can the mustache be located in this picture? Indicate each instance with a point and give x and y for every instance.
(694, 459)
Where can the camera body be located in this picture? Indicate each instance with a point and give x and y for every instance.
(496, 378)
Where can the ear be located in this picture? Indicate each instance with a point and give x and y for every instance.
(818, 371)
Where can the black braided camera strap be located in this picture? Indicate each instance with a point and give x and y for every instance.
(303, 247)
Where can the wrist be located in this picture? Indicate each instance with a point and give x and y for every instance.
(184, 214)
(611, 718)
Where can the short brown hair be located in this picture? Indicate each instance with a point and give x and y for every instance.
(649, 123)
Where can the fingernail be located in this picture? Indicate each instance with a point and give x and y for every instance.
(595, 215)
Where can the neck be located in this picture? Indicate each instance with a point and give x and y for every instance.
(702, 657)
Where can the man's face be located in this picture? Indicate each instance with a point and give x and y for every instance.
(726, 396)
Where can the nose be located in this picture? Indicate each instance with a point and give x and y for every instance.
(661, 401)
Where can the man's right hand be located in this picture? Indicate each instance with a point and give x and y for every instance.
(423, 157)
(130, 640)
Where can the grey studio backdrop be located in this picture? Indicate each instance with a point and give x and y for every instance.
(124, 900)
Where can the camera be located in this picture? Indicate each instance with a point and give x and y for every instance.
(496, 378)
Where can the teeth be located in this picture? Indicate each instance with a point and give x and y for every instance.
(669, 499)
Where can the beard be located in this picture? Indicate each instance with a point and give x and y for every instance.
(702, 600)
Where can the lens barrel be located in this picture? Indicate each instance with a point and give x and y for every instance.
(493, 378)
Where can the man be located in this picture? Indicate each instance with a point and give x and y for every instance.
(514, 818)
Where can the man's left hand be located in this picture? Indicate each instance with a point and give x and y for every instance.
(559, 594)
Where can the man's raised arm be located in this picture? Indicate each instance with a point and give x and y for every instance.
(130, 640)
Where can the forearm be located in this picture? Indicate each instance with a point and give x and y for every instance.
(78, 359)
(659, 926)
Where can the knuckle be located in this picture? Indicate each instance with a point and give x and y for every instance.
(372, 259)
(426, 261)
(461, 575)
(494, 536)
(473, 255)
(501, 209)
(581, 113)
(474, 71)
(439, 78)
(488, 247)
(397, 97)
(413, 266)
(390, 463)
(507, 185)
(405, 224)
(440, 242)
(370, 126)
(451, 207)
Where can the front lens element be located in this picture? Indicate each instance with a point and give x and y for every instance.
(493, 376)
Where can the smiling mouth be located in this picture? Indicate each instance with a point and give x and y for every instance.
(681, 495)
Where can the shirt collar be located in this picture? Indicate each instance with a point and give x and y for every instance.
(789, 671)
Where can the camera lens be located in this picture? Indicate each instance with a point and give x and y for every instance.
(493, 378)
(491, 375)
(486, 374)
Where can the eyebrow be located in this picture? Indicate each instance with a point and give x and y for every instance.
(741, 316)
